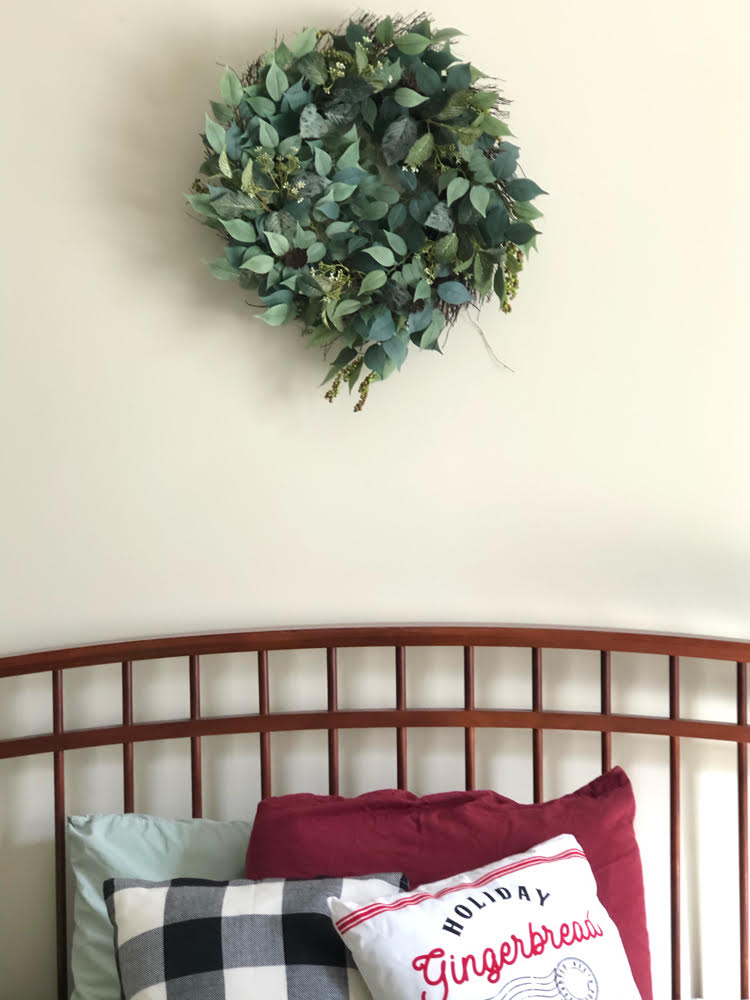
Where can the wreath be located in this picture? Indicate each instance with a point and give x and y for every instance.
(365, 186)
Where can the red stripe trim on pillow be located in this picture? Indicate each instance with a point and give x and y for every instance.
(375, 909)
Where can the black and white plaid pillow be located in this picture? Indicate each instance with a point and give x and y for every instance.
(190, 939)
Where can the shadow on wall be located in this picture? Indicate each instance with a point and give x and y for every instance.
(149, 154)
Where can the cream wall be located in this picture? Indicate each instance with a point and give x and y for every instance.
(169, 464)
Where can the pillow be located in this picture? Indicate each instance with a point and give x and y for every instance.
(529, 927)
(436, 836)
(135, 846)
(193, 939)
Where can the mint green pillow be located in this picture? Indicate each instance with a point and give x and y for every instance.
(144, 847)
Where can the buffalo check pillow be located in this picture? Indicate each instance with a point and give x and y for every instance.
(529, 927)
(202, 940)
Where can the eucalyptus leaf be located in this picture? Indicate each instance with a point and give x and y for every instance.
(323, 162)
(315, 252)
(276, 81)
(231, 88)
(412, 44)
(398, 139)
(384, 31)
(346, 307)
(216, 135)
(453, 292)
(340, 191)
(238, 229)
(382, 255)
(224, 165)
(222, 113)
(397, 348)
(278, 314)
(312, 125)
(278, 243)
(260, 264)
(372, 281)
(304, 42)
(262, 106)
(440, 218)
(428, 80)
(269, 137)
(376, 359)
(383, 328)
(313, 67)
(350, 156)
(520, 233)
(421, 150)
(397, 243)
(446, 249)
(433, 331)
(457, 189)
(523, 189)
(480, 198)
(222, 269)
(408, 98)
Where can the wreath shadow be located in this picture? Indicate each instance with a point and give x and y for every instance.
(149, 155)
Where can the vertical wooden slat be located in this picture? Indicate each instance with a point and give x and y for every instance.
(605, 663)
(469, 734)
(196, 770)
(743, 833)
(265, 738)
(128, 785)
(333, 734)
(537, 734)
(60, 895)
(674, 825)
(401, 704)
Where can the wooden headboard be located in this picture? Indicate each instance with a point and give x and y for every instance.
(400, 718)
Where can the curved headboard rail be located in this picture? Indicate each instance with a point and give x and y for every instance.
(527, 636)
(400, 718)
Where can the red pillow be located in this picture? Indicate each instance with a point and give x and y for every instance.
(434, 837)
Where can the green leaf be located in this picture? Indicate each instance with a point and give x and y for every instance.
(276, 81)
(383, 328)
(224, 165)
(238, 229)
(201, 203)
(408, 98)
(412, 44)
(323, 162)
(278, 243)
(311, 124)
(493, 126)
(360, 57)
(304, 42)
(433, 331)
(350, 156)
(315, 252)
(384, 31)
(526, 212)
(231, 88)
(397, 348)
(269, 137)
(483, 268)
(382, 255)
(499, 284)
(396, 242)
(346, 307)
(423, 290)
(440, 218)
(443, 34)
(216, 135)
(370, 112)
(453, 292)
(421, 150)
(340, 191)
(222, 113)
(520, 233)
(398, 139)
(376, 359)
(247, 177)
(222, 269)
(483, 100)
(277, 315)
(262, 106)
(260, 264)
(372, 281)
(428, 80)
(480, 198)
(313, 66)
(457, 189)
(523, 189)
(446, 248)
(458, 77)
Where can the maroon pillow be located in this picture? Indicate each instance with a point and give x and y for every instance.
(434, 837)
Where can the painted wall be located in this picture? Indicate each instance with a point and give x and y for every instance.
(169, 464)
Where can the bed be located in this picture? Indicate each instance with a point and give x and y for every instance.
(399, 646)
